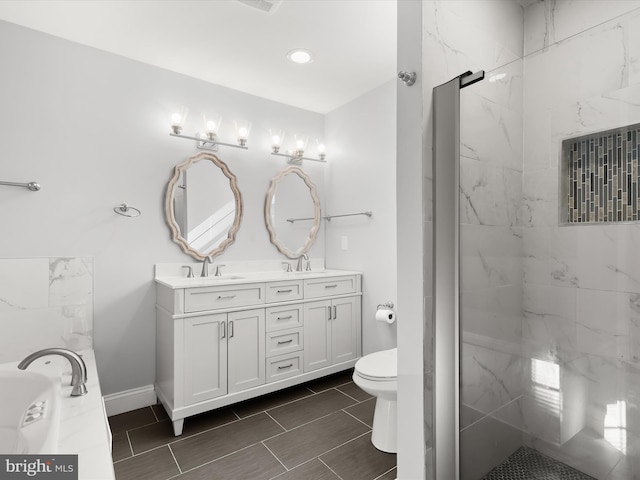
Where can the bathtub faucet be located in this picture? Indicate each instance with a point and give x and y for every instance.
(78, 368)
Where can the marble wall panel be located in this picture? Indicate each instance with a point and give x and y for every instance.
(491, 375)
(493, 312)
(490, 256)
(549, 324)
(489, 132)
(565, 73)
(489, 195)
(46, 302)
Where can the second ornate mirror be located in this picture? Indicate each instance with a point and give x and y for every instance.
(292, 212)
(203, 206)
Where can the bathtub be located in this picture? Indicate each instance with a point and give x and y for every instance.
(39, 416)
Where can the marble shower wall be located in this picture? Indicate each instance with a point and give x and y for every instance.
(581, 282)
(45, 302)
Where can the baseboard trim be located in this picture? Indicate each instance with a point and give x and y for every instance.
(128, 400)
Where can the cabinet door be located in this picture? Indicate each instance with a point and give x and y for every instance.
(317, 335)
(246, 349)
(205, 357)
(345, 329)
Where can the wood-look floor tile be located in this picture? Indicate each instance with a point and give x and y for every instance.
(120, 448)
(154, 465)
(133, 419)
(161, 433)
(390, 475)
(213, 444)
(359, 459)
(253, 463)
(310, 408)
(363, 411)
(312, 470)
(354, 391)
(160, 412)
(313, 439)
(271, 400)
(330, 381)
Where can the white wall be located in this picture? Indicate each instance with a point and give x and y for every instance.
(361, 177)
(92, 128)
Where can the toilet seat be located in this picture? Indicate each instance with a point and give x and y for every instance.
(379, 366)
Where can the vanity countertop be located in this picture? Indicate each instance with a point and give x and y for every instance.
(176, 282)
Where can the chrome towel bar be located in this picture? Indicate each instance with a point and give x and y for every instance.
(33, 186)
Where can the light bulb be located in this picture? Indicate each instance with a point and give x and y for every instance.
(242, 129)
(177, 120)
(321, 151)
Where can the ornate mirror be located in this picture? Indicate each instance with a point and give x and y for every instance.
(203, 206)
(292, 212)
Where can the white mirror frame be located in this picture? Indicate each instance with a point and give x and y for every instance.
(316, 214)
(170, 212)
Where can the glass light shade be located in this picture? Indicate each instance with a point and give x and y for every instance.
(277, 137)
(212, 124)
(301, 144)
(178, 118)
(243, 129)
(321, 150)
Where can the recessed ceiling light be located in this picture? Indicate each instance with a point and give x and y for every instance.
(300, 56)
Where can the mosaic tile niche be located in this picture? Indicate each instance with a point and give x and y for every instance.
(599, 177)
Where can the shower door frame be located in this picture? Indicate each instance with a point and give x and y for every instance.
(446, 274)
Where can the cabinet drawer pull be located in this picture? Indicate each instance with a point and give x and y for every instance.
(285, 341)
(331, 286)
(288, 317)
(282, 367)
(226, 297)
(285, 291)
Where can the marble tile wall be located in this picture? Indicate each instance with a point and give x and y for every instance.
(45, 302)
(581, 282)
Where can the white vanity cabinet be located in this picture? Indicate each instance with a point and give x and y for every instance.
(220, 341)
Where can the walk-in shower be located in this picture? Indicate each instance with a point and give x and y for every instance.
(536, 272)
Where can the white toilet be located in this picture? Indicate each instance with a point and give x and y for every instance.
(377, 374)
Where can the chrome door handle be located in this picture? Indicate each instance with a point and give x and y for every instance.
(231, 329)
(335, 312)
(329, 308)
(223, 327)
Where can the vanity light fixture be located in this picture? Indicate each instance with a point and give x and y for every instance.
(207, 140)
(297, 155)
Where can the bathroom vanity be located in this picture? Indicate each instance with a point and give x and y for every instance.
(221, 340)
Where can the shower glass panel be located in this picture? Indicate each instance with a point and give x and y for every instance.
(550, 300)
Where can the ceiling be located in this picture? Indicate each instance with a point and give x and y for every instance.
(229, 43)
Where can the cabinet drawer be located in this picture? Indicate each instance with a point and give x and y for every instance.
(326, 287)
(280, 318)
(284, 366)
(211, 298)
(284, 291)
(284, 341)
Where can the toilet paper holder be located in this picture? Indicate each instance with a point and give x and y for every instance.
(385, 305)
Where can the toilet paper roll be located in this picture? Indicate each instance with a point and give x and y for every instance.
(385, 315)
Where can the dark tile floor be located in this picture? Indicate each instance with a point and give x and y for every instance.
(320, 430)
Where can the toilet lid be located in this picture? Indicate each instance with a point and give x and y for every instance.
(382, 364)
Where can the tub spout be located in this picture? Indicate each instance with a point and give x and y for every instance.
(78, 368)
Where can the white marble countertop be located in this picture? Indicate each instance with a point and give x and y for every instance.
(83, 426)
(247, 277)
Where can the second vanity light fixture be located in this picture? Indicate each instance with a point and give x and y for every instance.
(207, 140)
(297, 155)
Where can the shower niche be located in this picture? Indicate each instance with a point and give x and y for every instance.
(599, 177)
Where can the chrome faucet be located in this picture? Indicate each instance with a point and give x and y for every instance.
(205, 267)
(78, 368)
(299, 266)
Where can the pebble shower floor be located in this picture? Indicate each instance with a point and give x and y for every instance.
(527, 464)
